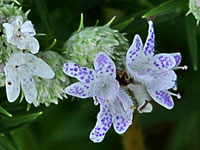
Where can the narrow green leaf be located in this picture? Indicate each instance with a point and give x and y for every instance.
(51, 45)
(165, 7)
(123, 24)
(191, 29)
(15, 122)
(3, 111)
(81, 25)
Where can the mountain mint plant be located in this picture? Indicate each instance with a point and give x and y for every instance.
(154, 72)
(116, 107)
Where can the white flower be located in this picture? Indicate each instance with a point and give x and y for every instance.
(20, 70)
(116, 107)
(155, 72)
(21, 34)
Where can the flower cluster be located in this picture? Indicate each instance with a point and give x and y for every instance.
(19, 68)
(153, 76)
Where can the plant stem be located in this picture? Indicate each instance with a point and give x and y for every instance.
(133, 139)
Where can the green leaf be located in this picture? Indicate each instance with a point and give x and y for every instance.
(15, 122)
(123, 24)
(165, 7)
(191, 29)
(3, 111)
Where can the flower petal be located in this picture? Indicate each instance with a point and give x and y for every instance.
(9, 31)
(103, 124)
(122, 119)
(28, 85)
(134, 50)
(104, 65)
(32, 44)
(126, 101)
(141, 94)
(161, 62)
(83, 74)
(27, 28)
(78, 89)
(162, 81)
(177, 57)
(20, 42)
(163, 98)
(17, 22)
(150, 41)
(12, 83)
(38, 67)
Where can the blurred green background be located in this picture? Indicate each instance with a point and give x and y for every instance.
(67, 126)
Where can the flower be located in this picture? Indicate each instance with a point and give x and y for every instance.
(21, 34)
(20, 70)
(155, 72)
(194, 6)
(116, 107)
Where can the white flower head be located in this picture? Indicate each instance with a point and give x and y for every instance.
(194, 8)
(153, 71)
(20, 70)
(116, 107)
(21, 34)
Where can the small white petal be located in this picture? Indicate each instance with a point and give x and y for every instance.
(32, 44)
(40, 68)
(27, 28)
(28, 85)
(20, 42)
(12, 83)
(9, 31)
(145, 108)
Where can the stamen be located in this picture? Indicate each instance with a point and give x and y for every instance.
(16, 66)
(95, 101)
(182, 67)
(9, 82)
(177, 95)
(132, 107)
(43, 57)
(23, 51)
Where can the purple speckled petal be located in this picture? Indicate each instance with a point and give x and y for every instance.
(150, 41)
(122, 118)
(134, 50)
(177, 57)
(79, 89)
(161, 62)
(162, 81)
(104, 122)
(163, 98)
(104, 65)
(83, 74)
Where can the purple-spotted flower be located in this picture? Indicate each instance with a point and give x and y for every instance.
(20, 70)
(21, 34)
(154, 71)
(116, 107)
